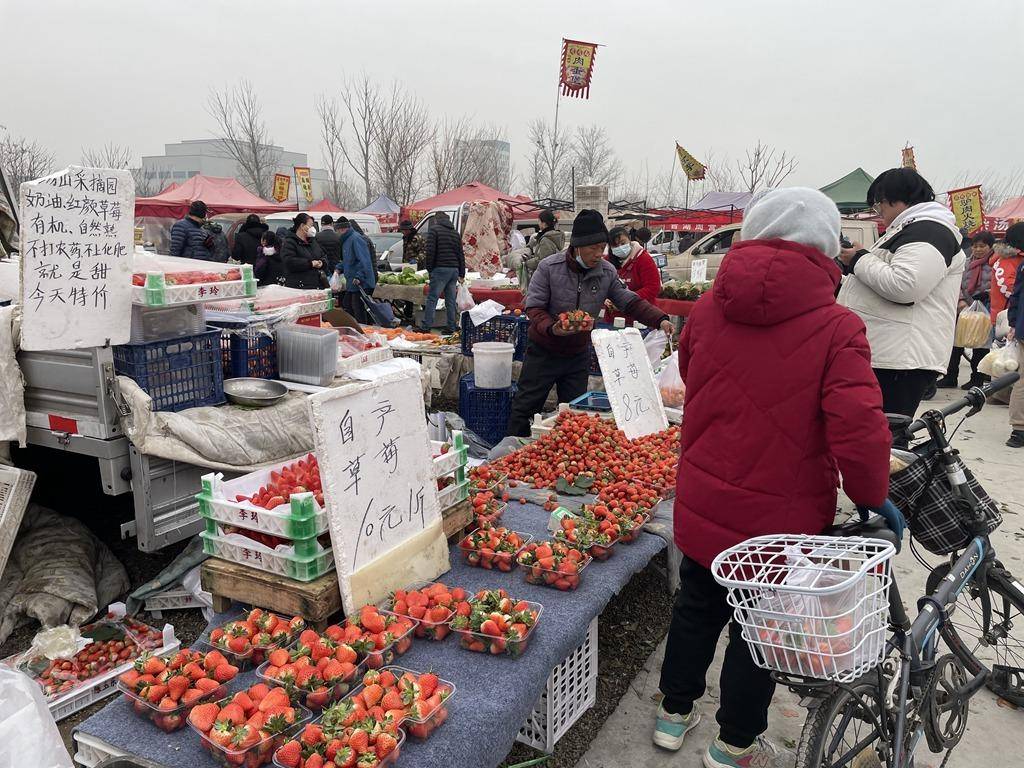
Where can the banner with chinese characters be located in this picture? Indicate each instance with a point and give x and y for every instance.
(77, 248)
(378, 485)
(577, 68)
(302, 178)
(282, 186)
(908, 158)
(693, 169)
(629, 381)
(966, 205)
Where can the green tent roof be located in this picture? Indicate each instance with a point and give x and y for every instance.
(851, 191)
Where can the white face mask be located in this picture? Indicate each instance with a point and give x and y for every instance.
(622, 251)
(311, 232)
(269, 250)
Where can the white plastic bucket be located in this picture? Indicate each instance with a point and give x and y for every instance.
(492, 364)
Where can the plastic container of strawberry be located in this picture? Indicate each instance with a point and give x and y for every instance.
(421, 727)
(256, 653)
(552, 577)
(495, 483)
(258, 754)
(597, 551)
(314, 701)
(634, 533)
(501, 561)
(389, 759)
(168, 720)
(425, 628)
(380, 657)
(491, 515)
(482, 643)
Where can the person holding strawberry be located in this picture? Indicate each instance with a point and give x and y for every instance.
(780, 401)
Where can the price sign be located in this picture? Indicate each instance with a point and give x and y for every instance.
(629, 382)
(77, 248)
(379, 490)
(699, 271)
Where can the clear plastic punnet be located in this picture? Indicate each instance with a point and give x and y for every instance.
(810, 606)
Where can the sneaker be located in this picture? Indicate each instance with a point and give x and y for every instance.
(761, 754)
(1016, 439)
(670, 730)
(946, 382)
(976, 381)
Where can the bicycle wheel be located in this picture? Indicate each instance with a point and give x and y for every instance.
(840, 732)
(999, 604)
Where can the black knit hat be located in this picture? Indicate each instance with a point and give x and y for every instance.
(1015, 236)
(588, 229)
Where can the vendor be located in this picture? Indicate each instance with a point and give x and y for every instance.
(301, 255)
(577, 278)
(636, 269)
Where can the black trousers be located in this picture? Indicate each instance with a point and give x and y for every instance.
(902, 391)
(953, 369)
(698, 617)
(541, 370)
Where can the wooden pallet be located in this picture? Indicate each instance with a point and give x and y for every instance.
(456, 518)
(317, 601)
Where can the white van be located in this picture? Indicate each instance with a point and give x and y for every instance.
(367, 221)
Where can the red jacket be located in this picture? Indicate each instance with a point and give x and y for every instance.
(780, 398)
(642, 276)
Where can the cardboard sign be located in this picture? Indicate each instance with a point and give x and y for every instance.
(381, 498)
(77, 235)
(629, 382)
(699, 271)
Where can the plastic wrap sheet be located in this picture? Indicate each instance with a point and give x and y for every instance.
(12, 385)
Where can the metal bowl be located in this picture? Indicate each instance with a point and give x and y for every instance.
(255, 393)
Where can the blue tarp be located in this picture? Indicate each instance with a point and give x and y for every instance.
(382, 205)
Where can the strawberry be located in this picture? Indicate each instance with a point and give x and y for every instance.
(289, 755)
(206, 685)
(312, 734)
(392, 700)
(225, 672)
(153, 665)
(315, 760)
(386, 744)
(193, 671)
(258, 691)
(191, 696)
(372, 695)
(176, 686)
(167, 704)
(129, 678)
(213, 659)
(428, 684)
(203, 716)
(278, 657)
(368, 760)
(221, 732)
(345, 757)
(244, 737)
(238, 644)
(233, 713)
(156, 692)
(359, 740)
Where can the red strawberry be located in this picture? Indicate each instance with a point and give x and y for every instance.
(428, 684)
(258, 691)
(359, 740)
(206, 685)
(386, 744)
(312, 734)
(345, 757)
(315, 760)
(213, 659)
(289, 755)
(225, 672)
(233, 713)
(191, 696)
(392, 700)
(156, 692)
(203, 716)
(177, 686)
(278, 657)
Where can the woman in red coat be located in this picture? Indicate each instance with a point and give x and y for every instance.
(636, 269)
(780, 401)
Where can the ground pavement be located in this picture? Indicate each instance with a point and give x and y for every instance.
(993, 728)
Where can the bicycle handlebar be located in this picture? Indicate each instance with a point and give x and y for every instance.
(974, 398)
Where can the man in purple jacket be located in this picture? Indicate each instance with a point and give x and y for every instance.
(577, 278)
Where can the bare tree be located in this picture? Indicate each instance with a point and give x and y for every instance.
(997, 186)
(108, 156)
(593, 157)
(244, 136)
(764, 168)
(462, 152)
(402, 133)
(550, 157)
(363, 102)
(23, 160)
(332, 128)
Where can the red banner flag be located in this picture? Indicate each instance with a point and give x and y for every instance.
(577, 68)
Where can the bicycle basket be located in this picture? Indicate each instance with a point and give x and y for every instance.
(935, 513)
(810, 606)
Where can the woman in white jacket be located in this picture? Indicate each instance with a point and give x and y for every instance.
(905, 287)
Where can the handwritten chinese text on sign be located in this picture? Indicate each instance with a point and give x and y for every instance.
(629, 382)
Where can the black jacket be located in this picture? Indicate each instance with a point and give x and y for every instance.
(298, 257)
(269, 270)
(330, 245)
(444, 247)
(247, 243)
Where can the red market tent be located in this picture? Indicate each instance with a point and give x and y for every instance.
(694, 221)
(324, 206)
(467, 193)
(221, 195)
(998, 220)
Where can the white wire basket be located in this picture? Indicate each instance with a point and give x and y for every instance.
(810, 606)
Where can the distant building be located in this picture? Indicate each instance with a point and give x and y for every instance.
(209, 157)
(492, 159)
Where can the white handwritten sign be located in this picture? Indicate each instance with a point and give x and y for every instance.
(381, 497)
(629, 382)
(77, 235)
(699, 271)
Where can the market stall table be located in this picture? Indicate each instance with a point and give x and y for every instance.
(414, 294)
(496, 694)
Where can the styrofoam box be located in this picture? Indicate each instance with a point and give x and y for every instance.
(363, 359)
(570, 691)
(15, 489)
(265, 559)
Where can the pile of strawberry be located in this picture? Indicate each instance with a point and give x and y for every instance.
(378, 637)
(190, 278)
(576, 320)
(432, 605)
(490, 547)
(246, 728)
(594, 536)
(582, 443)
(302, 476)
(553, 564)
(496, 623)
(487, 508)
(319, 670)
(164, 691)
(260, 631)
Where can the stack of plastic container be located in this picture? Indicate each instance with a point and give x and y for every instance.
(307, 355)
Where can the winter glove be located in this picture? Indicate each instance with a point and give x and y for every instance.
(893, 519)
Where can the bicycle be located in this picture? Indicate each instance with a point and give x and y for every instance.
(870, 703)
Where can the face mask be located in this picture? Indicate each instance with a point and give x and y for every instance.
(269, 250)
(582, 264)
(622, 251)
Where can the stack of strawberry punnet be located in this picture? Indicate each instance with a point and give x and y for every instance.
(431, 604)
(165, 692)
(248, 639)
(497, 623)
(246, 728)
(318, 670)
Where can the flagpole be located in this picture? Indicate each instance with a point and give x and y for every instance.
(554, 139)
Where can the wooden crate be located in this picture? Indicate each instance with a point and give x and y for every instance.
(456, 518)
(316, 601)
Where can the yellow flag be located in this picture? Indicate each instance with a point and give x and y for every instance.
(693, 169)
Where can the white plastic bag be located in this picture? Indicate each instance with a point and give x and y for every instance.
(28, 735)
(673, 392)
(337, 282)
(1003, 324)
(972, 327)
(464, 299)
(1000, 361)
(654, 343)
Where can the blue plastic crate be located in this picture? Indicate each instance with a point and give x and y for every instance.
(592, 401)
(248, 348)
(512, 329)
(485, 411)
(177, 373)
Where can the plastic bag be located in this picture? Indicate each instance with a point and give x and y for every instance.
(673, 392)
(1003, 324)
(972, 327)
(654, 343)
(28, 734)
(464, 299)
(337, 283)
(999, 361)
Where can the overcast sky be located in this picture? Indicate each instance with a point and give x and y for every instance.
(836, 84)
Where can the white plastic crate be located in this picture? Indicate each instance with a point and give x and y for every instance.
(172, 600)
(570, 691)
(455, 459)
(192, 293)
(90, 751)
(15, 489)
(363, 359)
(453, 494)
(265, 559)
